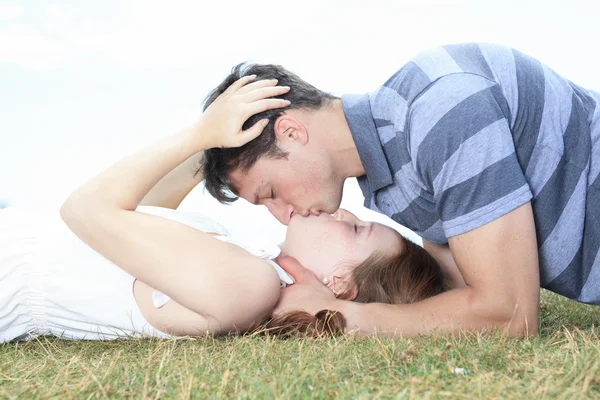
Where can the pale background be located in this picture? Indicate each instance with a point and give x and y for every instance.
(83, 83)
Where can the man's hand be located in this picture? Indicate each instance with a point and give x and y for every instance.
(307, 293)
(221, 123)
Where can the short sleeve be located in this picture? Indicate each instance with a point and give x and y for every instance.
(462, 148)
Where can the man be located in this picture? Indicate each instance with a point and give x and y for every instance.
(490, 156)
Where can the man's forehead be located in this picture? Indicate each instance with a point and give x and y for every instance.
(246, 185)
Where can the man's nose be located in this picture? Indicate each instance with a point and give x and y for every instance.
(280, 210)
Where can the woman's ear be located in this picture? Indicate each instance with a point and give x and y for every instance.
(350, 294)
(289, 128)
(343, 289)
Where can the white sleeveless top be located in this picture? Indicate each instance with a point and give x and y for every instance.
(260, 248)
(51, 283)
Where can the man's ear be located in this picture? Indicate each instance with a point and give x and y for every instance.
(288, 128)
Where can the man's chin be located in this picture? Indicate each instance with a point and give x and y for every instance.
(334, 207)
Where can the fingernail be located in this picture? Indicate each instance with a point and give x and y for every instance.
(288, 102)
(252, 76)
(265, 122)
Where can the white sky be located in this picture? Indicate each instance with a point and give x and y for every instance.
(83, 83)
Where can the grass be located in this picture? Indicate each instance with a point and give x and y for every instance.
(562, 362)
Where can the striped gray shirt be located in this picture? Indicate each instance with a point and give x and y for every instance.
(464, 134)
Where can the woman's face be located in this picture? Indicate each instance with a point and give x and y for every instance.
(328, 245)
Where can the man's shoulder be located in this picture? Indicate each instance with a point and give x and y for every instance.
(429, 66)
(404, 103)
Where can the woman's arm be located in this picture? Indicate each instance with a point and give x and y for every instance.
(170, 191)
(196, 270)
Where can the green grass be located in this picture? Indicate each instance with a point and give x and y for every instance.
(562, 362)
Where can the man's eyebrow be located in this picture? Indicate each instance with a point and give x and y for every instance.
(257, 193)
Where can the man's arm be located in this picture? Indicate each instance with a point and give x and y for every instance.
(170, 191)
(499, 264)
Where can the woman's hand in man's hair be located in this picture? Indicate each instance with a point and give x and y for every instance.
(221, 123)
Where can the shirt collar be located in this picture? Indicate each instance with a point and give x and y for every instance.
(357, 110)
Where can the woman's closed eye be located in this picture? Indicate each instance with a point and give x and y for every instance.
(355, 228)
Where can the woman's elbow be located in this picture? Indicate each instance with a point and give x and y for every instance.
(68, 210)
(251, 297)
(73, 210)
(264, 291)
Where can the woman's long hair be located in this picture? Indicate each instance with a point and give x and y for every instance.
(407, 277)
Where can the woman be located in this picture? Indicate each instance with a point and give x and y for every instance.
(180, 274)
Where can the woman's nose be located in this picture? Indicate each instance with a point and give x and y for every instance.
(336, 215)
(343, 215)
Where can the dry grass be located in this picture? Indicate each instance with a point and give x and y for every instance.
(563, 362)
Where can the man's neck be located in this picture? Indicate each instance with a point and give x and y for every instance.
(339, 141)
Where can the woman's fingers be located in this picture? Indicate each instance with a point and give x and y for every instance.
(265, 93)
(264, 105)
(251, 133)
(243, 81)
(256, 85)
(258, 95)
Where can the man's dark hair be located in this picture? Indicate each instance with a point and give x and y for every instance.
(218, 164)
